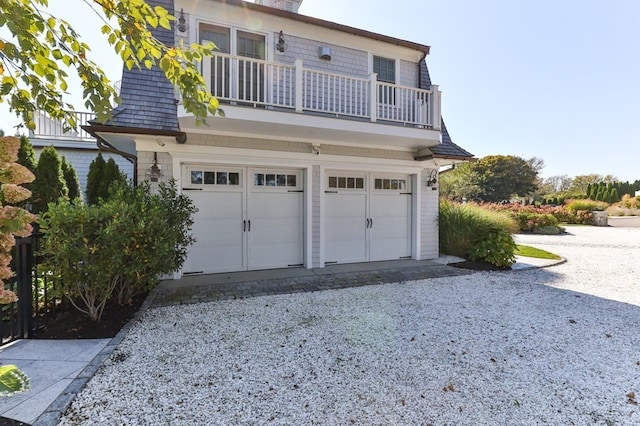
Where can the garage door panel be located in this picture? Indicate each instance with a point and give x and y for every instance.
(390, 233)
(345, 227)
(218, 231)
(276, 236)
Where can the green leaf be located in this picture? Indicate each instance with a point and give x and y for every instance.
(12, 380)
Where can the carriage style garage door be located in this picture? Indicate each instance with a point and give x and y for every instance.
(247, 218)
(368, 217)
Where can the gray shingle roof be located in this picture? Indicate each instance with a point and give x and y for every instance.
(447, 149)
(148, 99)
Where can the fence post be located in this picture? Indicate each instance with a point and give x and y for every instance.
(24, 274)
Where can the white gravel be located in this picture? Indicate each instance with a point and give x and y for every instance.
(559, 345)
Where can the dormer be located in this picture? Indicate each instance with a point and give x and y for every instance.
(288, 5)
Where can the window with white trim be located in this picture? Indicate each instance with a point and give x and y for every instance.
(386, 70)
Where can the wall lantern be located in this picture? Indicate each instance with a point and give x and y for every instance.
(433, 178)
(182, 22)
(154, 173)
(281, 46)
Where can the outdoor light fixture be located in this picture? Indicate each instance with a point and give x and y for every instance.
(182, 22)
(281, 46)
(154, 173)
(433, 178)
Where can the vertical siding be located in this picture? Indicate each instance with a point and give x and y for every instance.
(315, 214)
(429, 221)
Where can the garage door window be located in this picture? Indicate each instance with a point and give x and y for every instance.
(218, 178)
(275, 179)
(346, 182)
(390, 184)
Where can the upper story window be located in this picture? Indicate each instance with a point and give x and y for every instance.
(220, 36)
(225, 71)
(385, 68)
(251, 45)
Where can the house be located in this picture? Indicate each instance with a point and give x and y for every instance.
(329, 151)
(77, 146)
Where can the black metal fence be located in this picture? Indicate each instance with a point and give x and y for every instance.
(36, 290)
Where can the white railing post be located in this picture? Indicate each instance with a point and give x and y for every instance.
(436, 96)
(373, 97)
(299, 84)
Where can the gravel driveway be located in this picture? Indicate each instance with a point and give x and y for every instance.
(553, 346)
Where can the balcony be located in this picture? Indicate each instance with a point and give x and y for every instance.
(52, 130)
(243, 81)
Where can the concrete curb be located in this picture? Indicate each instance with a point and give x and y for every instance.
(547, 264)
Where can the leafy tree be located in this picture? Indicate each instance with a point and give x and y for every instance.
(70, 179)
(112, 174)
(460, 184)
(581, 182)
(561, 183)
(101, 176)
(613, 196)
(35, 62)
(503, 176)
(26, 154)
(94, 179)
(49, 185)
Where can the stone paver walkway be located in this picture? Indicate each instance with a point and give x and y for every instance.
(206, 288)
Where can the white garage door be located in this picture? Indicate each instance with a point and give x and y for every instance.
(247, 219)
(367, 217)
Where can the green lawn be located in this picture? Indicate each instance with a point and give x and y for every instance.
(529, 251)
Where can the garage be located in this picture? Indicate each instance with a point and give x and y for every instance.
(247, 219)
(367, 217)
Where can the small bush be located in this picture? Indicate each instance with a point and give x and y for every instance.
(118, 247)
(475, 233)
(585, 205)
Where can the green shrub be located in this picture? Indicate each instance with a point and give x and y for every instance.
(475, 233)
(529, 222)
(118, 247)
(585, 205)
(82, 246)
(71, 179)
(157, 226)
(49, 185)
(496, 248)
(102, 174)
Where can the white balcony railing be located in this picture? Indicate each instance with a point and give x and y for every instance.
(49, 128)
(256, 82)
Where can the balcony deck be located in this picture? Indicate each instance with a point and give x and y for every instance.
(250, 82)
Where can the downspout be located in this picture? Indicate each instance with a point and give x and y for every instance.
(105, 146)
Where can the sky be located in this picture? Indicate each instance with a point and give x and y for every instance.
(553, 79)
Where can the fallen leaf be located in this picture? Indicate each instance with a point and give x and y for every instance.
(448, 388)
(572, 321)
(493, 360)
(403, 403)
(413, 339)
(607, 334)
